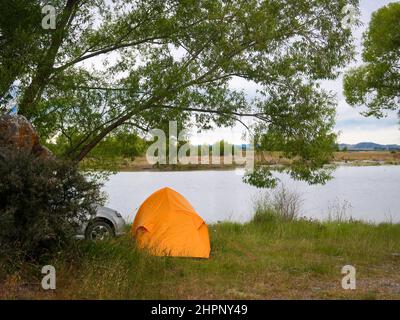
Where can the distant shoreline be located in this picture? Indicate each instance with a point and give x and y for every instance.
(342, 158)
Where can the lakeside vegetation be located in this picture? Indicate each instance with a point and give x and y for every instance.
(267, 258)
(127, 152)
(276, 255)
(139, 163)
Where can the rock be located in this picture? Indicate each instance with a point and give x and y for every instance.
(17, 133)
(41, 151)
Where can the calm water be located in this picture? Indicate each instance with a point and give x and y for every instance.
(368, 193)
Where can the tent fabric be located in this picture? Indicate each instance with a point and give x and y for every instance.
(167, 225)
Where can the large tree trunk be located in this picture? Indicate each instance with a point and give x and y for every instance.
(45, 66)
(82, 152)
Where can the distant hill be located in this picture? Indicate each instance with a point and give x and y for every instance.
(369, 146)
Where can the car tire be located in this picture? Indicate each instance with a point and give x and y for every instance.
(99, 230)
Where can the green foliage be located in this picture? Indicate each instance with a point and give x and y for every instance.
(376, 84)
(309, 143)
(20, 29)
(121, 144)
(42, 202)
(264, 215)
(221, 145)
(167, 61)
(282, 204)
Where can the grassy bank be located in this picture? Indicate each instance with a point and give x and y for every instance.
(264, 259)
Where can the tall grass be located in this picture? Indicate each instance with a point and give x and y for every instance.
(281, 203)
(276, 255)
(274, 259)
(339, 211)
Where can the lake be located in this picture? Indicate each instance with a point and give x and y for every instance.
(370, 193)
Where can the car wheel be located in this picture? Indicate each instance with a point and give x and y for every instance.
(99, 231)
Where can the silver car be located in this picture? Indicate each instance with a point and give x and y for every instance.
(106, 224)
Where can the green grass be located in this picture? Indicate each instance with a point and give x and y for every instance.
(263, 259)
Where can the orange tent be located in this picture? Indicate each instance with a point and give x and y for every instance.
(168, 225)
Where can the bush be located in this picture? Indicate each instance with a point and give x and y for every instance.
(281, 204)
(264, 211)
(339, 211)
(42, 203)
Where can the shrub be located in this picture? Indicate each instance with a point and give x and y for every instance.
(282, 204)
(263, 210)
(287, 203)
(42, 203)
(339, 211)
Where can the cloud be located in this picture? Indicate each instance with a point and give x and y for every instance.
(353, 127)
(383, 135)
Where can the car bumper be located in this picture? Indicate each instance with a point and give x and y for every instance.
(119, 226)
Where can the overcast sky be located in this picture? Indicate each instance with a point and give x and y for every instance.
(351, 126)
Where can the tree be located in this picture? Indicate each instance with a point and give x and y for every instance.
(19, 41)
(174, 60)
(118, 144)
(376, 84)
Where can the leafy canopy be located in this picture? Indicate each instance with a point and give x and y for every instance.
(20, 29)
(175, 60)
(376, 83)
